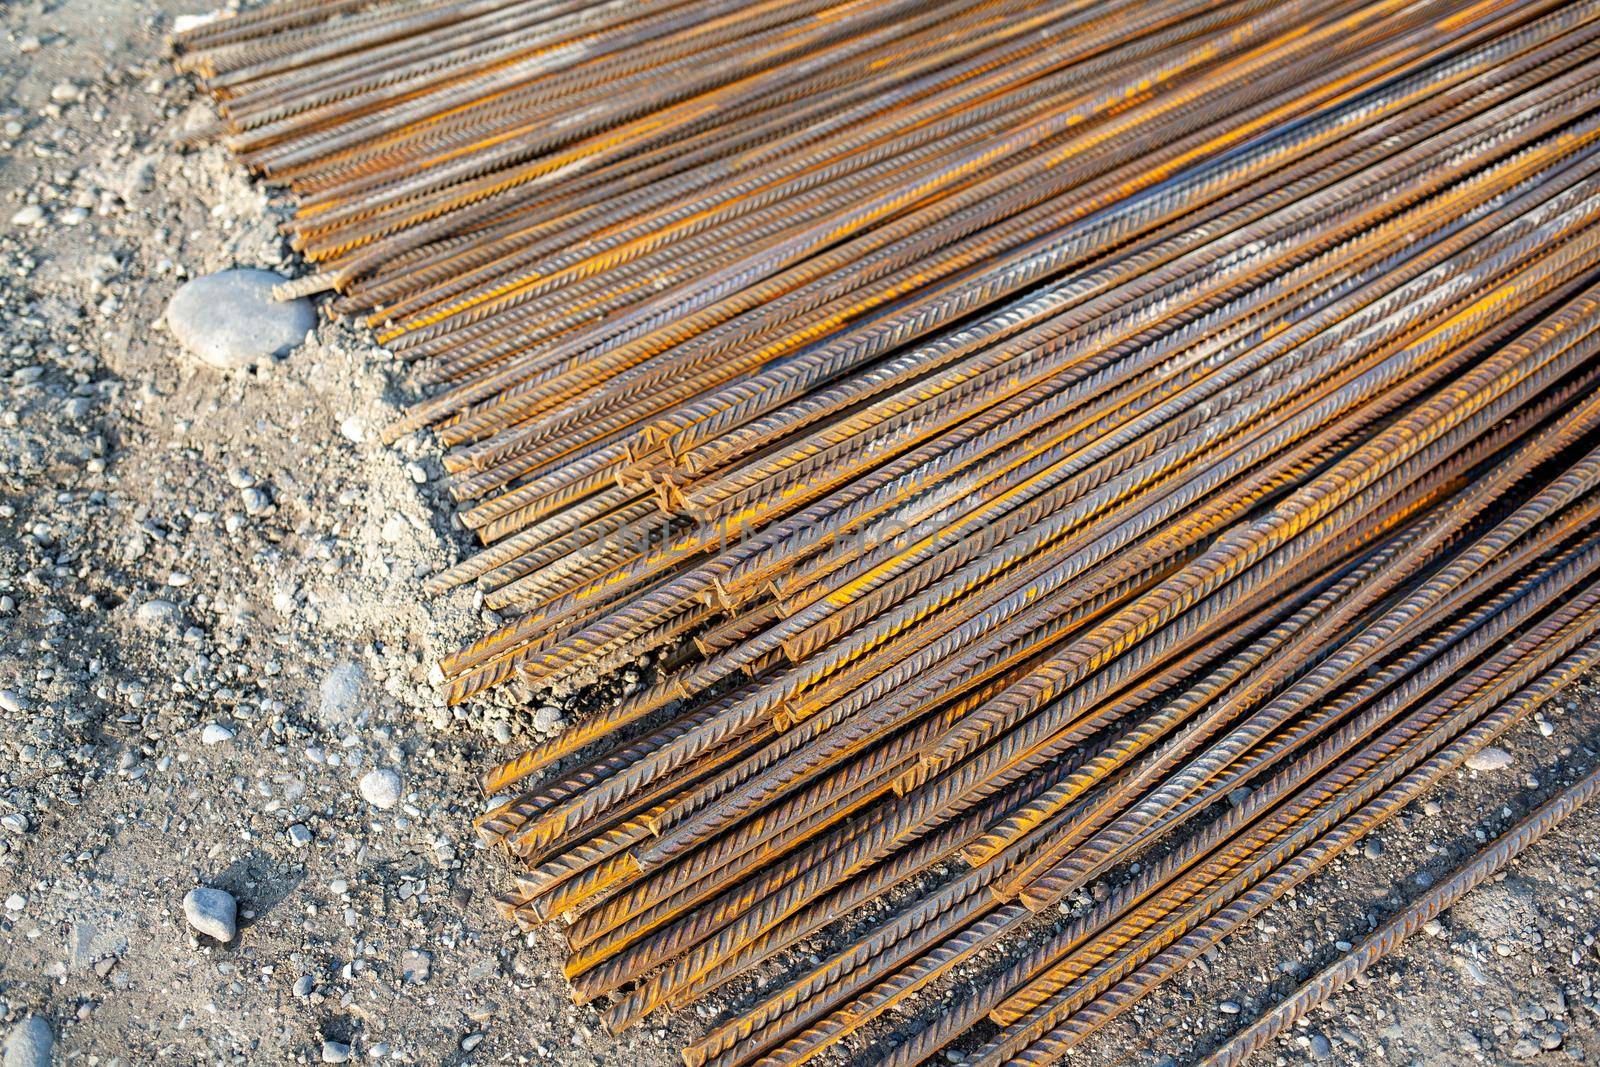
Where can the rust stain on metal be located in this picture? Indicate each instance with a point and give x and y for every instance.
(1017, 424)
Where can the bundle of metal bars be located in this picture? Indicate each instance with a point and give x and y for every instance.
(1048, 445)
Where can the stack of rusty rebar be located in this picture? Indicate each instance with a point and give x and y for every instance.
(1045, 445)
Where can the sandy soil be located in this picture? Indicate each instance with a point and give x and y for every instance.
(141, 601)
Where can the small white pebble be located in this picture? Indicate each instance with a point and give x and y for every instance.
(380, 788)
(185, 23)
(1492, 758)
(215, 733)
(157, 613)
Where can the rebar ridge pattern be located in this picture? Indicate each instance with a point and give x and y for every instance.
(1039, 446)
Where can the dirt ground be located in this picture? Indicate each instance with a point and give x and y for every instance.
(182, 547)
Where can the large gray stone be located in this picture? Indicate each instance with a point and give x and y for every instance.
(212, 911)
(230, 320)
(30, 1044)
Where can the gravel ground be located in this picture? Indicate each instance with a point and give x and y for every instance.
(210, 632)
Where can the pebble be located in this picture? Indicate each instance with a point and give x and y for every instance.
(30, 1044)
(416, 966)
(299, 836)
(1492, 758)
(213, 912)
(215, 733)
(184, 23)
(380, 788)
(28, 215)
(156, 614)
(335, 1052)
(256, 501)
(1321, 1048)
(229, 319)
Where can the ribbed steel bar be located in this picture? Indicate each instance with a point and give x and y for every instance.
(1053, 1045)
(1327, 982)
(1018, 424)
(1190, 945)
(1040, 988)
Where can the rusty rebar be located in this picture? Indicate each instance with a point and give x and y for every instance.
(1017, 424)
